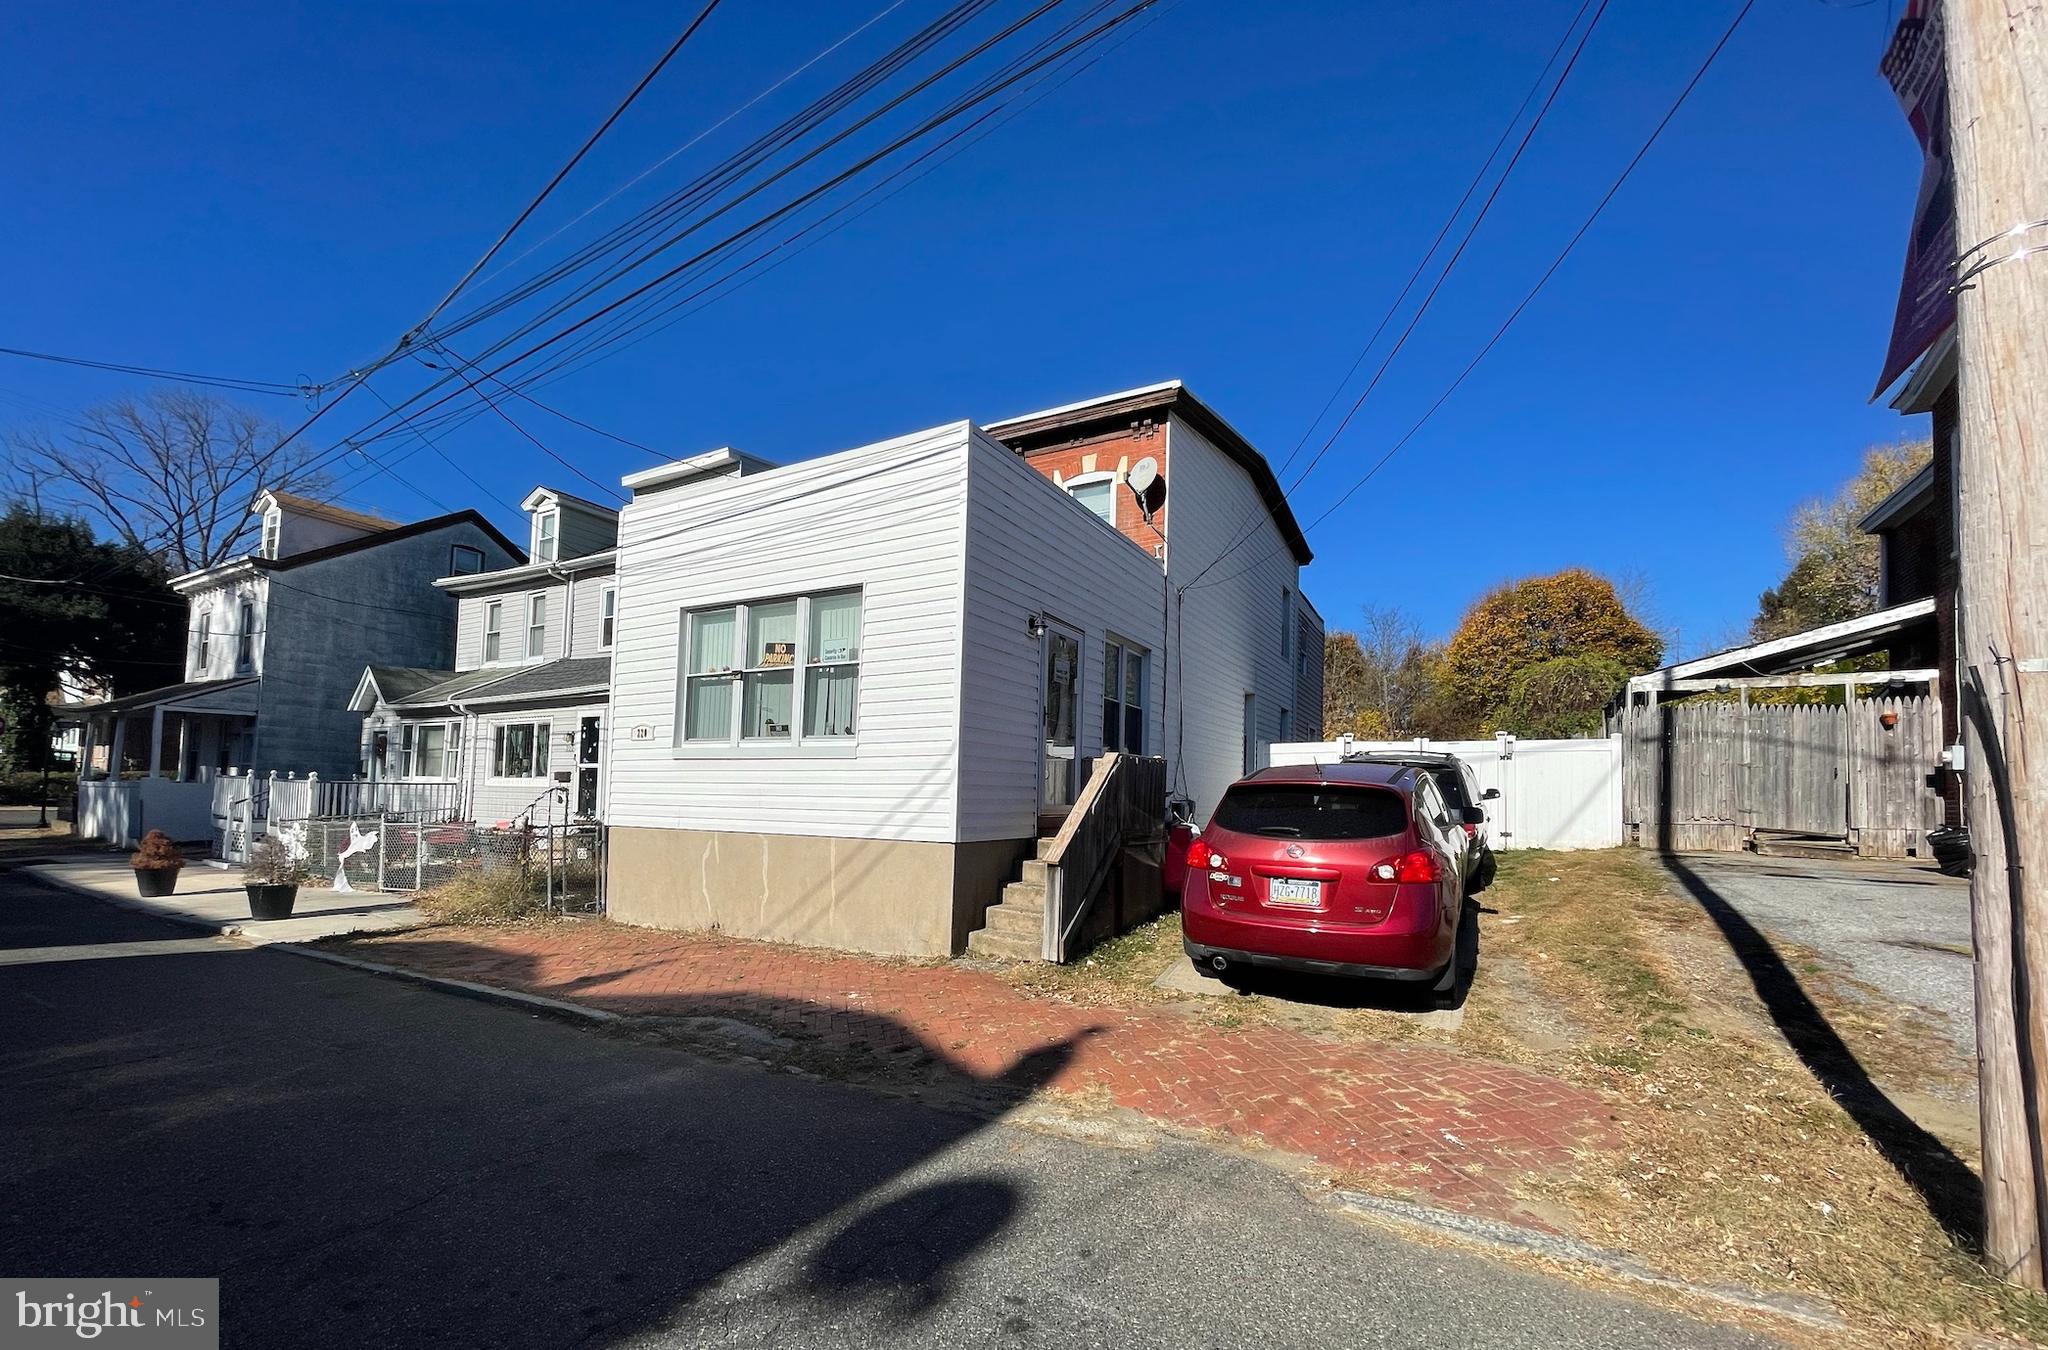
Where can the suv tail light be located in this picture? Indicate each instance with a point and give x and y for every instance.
(1202, 858)
(1418, 866)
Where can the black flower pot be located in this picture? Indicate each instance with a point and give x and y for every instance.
(271, 902)
(151, 882)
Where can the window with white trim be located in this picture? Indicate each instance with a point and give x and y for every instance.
(494, 629)
(430, 750)
(536, 624)
(607, 616)
(465, 560)
(245, 637)
(520, 750)
(1097, 492)
(740, 665)
(202, 646)
(273, 527)
(547, 526)
(1123, 697)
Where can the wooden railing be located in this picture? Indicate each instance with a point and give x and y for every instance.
(1122, 807)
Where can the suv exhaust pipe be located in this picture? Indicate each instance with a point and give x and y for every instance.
(1218, 964)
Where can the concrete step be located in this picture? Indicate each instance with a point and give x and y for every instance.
(1018, 922)
(1044, 847)
(1002, 946)
(1024, 895)
(1034, 873)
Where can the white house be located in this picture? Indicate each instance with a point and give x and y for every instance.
(848, 696)
(274, 641)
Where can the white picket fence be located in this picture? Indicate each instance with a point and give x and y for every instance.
(1553, 794)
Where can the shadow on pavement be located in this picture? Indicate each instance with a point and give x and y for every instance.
(366, 1162)
(1952, 1191)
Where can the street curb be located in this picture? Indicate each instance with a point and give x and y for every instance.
(233, 930)
(1507, 1237)
(485, 993)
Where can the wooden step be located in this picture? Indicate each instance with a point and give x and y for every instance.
(1003, 946)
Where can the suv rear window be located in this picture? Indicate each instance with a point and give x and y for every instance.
(1311, 811)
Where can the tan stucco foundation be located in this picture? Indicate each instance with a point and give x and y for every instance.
(870, 895)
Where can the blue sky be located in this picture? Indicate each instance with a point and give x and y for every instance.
(1232, 197)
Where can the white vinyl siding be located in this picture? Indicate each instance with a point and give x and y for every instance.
(885, 519)
(473, 647)
(1232, 646)
(1032, 550)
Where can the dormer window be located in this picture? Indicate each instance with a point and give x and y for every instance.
(546, 527)
(273, 526)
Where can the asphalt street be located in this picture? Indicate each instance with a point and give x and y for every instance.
(367, 1162)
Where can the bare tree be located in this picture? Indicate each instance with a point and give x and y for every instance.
(172, 472)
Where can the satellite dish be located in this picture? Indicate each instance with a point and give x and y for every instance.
(1143, 475)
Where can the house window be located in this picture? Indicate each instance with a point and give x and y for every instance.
(546, 525)
(245, 637)
(520, 750)
(1286, 725)
(202, 648)
(494, 629)
(273, 525)
(757, 649)
(1123, 698)
(1097, 494)
(1286, 623)
(607, 615)
(430, 750)
(464, 560)
(536, 624)
(831, 663)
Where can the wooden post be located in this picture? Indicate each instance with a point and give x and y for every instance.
(1997, 53)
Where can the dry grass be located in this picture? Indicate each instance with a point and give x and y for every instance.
(476, 896)
(1735, 1166)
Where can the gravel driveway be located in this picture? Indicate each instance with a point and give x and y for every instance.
(1900, 926)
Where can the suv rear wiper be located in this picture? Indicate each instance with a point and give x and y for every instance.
(1288, 830)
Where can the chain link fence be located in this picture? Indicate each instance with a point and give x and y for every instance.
(563, 864)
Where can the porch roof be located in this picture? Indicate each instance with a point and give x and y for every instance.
(1797, 651)
(192, 696)
(578, 675)
(416, 687)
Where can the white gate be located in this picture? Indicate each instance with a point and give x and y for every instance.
(1553, 794)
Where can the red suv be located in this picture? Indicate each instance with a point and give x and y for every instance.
(1337, 869)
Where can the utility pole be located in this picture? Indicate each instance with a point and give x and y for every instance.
(1998, 121)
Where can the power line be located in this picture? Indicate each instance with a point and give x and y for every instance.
(248, 386)
(1249, 525)
(1655, 134)
(480, 392)
(946, 115)
(563, 172)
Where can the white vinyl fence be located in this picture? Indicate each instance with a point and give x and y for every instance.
(1553, 794)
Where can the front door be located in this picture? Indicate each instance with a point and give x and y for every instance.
(589, 745)
(1060, 704)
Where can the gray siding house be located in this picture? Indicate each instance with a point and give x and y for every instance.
(515, 722)
(274, 644)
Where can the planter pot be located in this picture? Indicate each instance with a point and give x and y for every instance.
(151, 882)
(271, 902)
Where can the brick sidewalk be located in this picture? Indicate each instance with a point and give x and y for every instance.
(1455, 1131)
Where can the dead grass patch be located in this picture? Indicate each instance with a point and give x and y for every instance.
(480, 896)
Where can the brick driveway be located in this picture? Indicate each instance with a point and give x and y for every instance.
(1455, 1131)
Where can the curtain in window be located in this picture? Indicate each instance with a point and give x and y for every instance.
(769, 685)
(707, 695)
(832, 665)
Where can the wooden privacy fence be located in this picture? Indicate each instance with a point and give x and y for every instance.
(1710, 775)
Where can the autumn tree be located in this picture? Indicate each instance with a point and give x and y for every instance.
(171, 473)
(1374, 678)
(1574, 613)
(1834, 565)
(1562, 697)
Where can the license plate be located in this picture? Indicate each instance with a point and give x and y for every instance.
(1288, 891)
